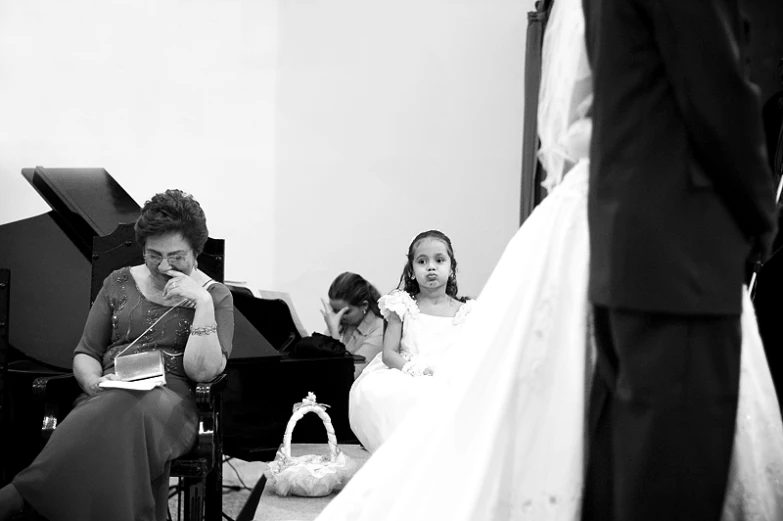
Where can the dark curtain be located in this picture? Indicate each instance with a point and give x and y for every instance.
(532, 173)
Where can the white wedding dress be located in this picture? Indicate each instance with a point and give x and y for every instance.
(382, 397)
(503, 437)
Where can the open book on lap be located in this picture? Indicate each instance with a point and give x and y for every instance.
(145, 384)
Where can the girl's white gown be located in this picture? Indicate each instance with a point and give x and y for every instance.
(381, 397)
(503, 436)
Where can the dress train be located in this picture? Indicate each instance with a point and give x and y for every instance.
(502, 436)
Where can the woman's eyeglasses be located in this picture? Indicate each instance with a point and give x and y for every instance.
(154, 258)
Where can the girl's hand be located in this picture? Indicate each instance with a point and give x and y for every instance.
(332, 319)
(415, 369)
(183, 287)
(94, 387)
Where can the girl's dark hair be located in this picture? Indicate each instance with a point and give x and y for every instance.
(354, 289)
(408, 281)
(173, 211)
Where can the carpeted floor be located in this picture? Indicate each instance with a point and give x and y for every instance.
(233, 501)
(275, 508)
(240, 477)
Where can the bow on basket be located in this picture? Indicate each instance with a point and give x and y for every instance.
(309, 401)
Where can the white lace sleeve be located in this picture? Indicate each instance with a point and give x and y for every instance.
(398, 302)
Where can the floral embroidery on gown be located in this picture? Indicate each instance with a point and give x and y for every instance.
(381, 397)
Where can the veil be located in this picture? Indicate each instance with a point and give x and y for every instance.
(566, 93)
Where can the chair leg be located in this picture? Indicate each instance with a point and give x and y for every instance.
(214, 494)
(194, 499)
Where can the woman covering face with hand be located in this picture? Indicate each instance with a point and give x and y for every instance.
(110, 457)
(352, 316)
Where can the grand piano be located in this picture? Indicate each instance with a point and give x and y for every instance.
(50, 261)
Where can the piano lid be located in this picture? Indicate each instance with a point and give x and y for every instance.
(50, 258)
(88, 201)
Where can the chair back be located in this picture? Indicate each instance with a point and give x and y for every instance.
(5, 298)
(120, 249)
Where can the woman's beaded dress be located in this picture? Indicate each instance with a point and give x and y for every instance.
(110, 458)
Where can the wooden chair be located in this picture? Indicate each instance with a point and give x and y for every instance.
(201, 470)
(5, 298)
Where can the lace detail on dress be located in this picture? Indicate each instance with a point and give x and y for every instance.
(541, 508)
(398, 301)
(755, 490)
(755, 477)
(464, 310)
(543, 319)
(117, 303)
(183, 330)
(148, 341)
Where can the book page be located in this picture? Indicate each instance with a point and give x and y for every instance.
(139, 385)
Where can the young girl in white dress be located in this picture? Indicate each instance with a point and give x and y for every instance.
(503, 438)
(424, 318)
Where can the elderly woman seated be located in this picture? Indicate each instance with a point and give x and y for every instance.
(110, 457)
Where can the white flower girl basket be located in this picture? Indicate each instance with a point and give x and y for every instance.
(311, 475)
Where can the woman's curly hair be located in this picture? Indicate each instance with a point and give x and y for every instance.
(173, 211)
(408, 281)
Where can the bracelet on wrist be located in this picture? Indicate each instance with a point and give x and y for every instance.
(203, 330)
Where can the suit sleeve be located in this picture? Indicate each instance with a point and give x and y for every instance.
(701, 43)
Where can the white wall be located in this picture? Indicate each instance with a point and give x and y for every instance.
(161, 93)
(319, 136)
(393, 118)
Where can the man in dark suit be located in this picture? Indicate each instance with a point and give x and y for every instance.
(681, 196)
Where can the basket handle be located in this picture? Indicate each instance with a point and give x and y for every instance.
(298, 414)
